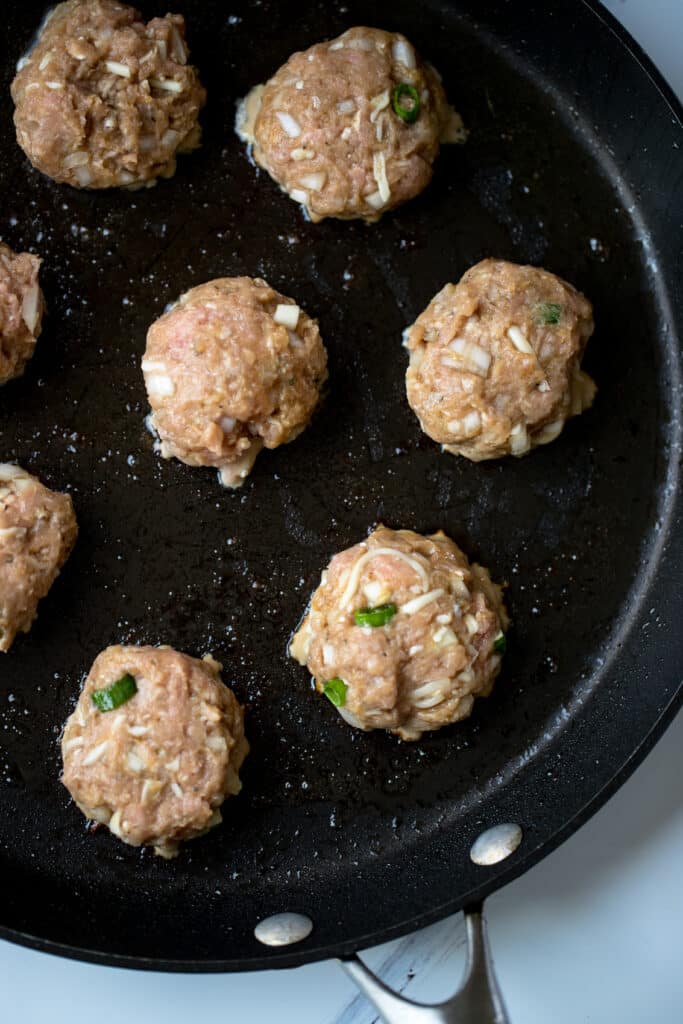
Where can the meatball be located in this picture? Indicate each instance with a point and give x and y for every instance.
(21, 310)
(154, 746)
(350, 127)
(403, 633)
(231, 367)
(495, 360)
(103, 100)
(37, 533)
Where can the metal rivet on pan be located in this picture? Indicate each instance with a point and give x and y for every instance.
(495, 844)
(283, 929)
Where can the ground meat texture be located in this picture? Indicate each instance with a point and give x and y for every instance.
(37, 532)
(440, 645)
(21, 310)
(103, 100)
(325, 129)
(156, 769)
(234, 366)
(495, 360)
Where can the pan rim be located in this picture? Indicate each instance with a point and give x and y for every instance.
(518, 866)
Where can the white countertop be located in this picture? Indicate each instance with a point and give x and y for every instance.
(593, 933)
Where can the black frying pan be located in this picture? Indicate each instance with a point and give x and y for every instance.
(573, 163)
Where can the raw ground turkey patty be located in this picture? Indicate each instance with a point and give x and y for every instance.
(403, 633)
(37, 533)
(105, 100)
(21, 310)
(495, 360)
(232, 367)
(157, 768)
(325, 128)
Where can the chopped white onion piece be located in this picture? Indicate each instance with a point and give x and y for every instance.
(378, 103)
(161, 46)
(403, 53)
(77, 741)
(135, 763)
(362, 43)
(314, 181)
(417, 603)
(472, 354)
(300, 646)
(299, 196)
(234, 473)
(346, 107)
(159, 385)
(76, 159)
(519, 439)
(375, 200)
(471, 423)
(379, 170)
(168, 84)
(13, 532)
(170, 138)
(431, 687)
(287, 315)
(83, 175)
(55, 85)
(45, 61)
(116, 68)
(217, 743)
(96, 753)
(138, 730)
(115, 822)
(227, 423)
(29, 307)
(179, 51)
(328, 654)
(373, 590)
(350, 718)
(544, 386)
(289, 124)
(10, 472)
(150, 788)
(444, 637)
(519, 341)
(550, 432)
(177, 791)
(152, 366)
(471, 624)
(302, 154)
(337, 46)
(415, 649)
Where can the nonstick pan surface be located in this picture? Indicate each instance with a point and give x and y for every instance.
(572, 163)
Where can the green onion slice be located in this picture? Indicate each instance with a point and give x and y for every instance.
(114, 696)
(378, 616)
(406, 102)
(549, 313)
(500, 643)
(335, 691)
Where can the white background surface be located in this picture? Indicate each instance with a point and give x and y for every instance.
(593, 934)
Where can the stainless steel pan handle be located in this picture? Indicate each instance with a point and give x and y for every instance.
(477, 1001)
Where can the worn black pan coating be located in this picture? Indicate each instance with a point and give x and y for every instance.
(573, 163)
